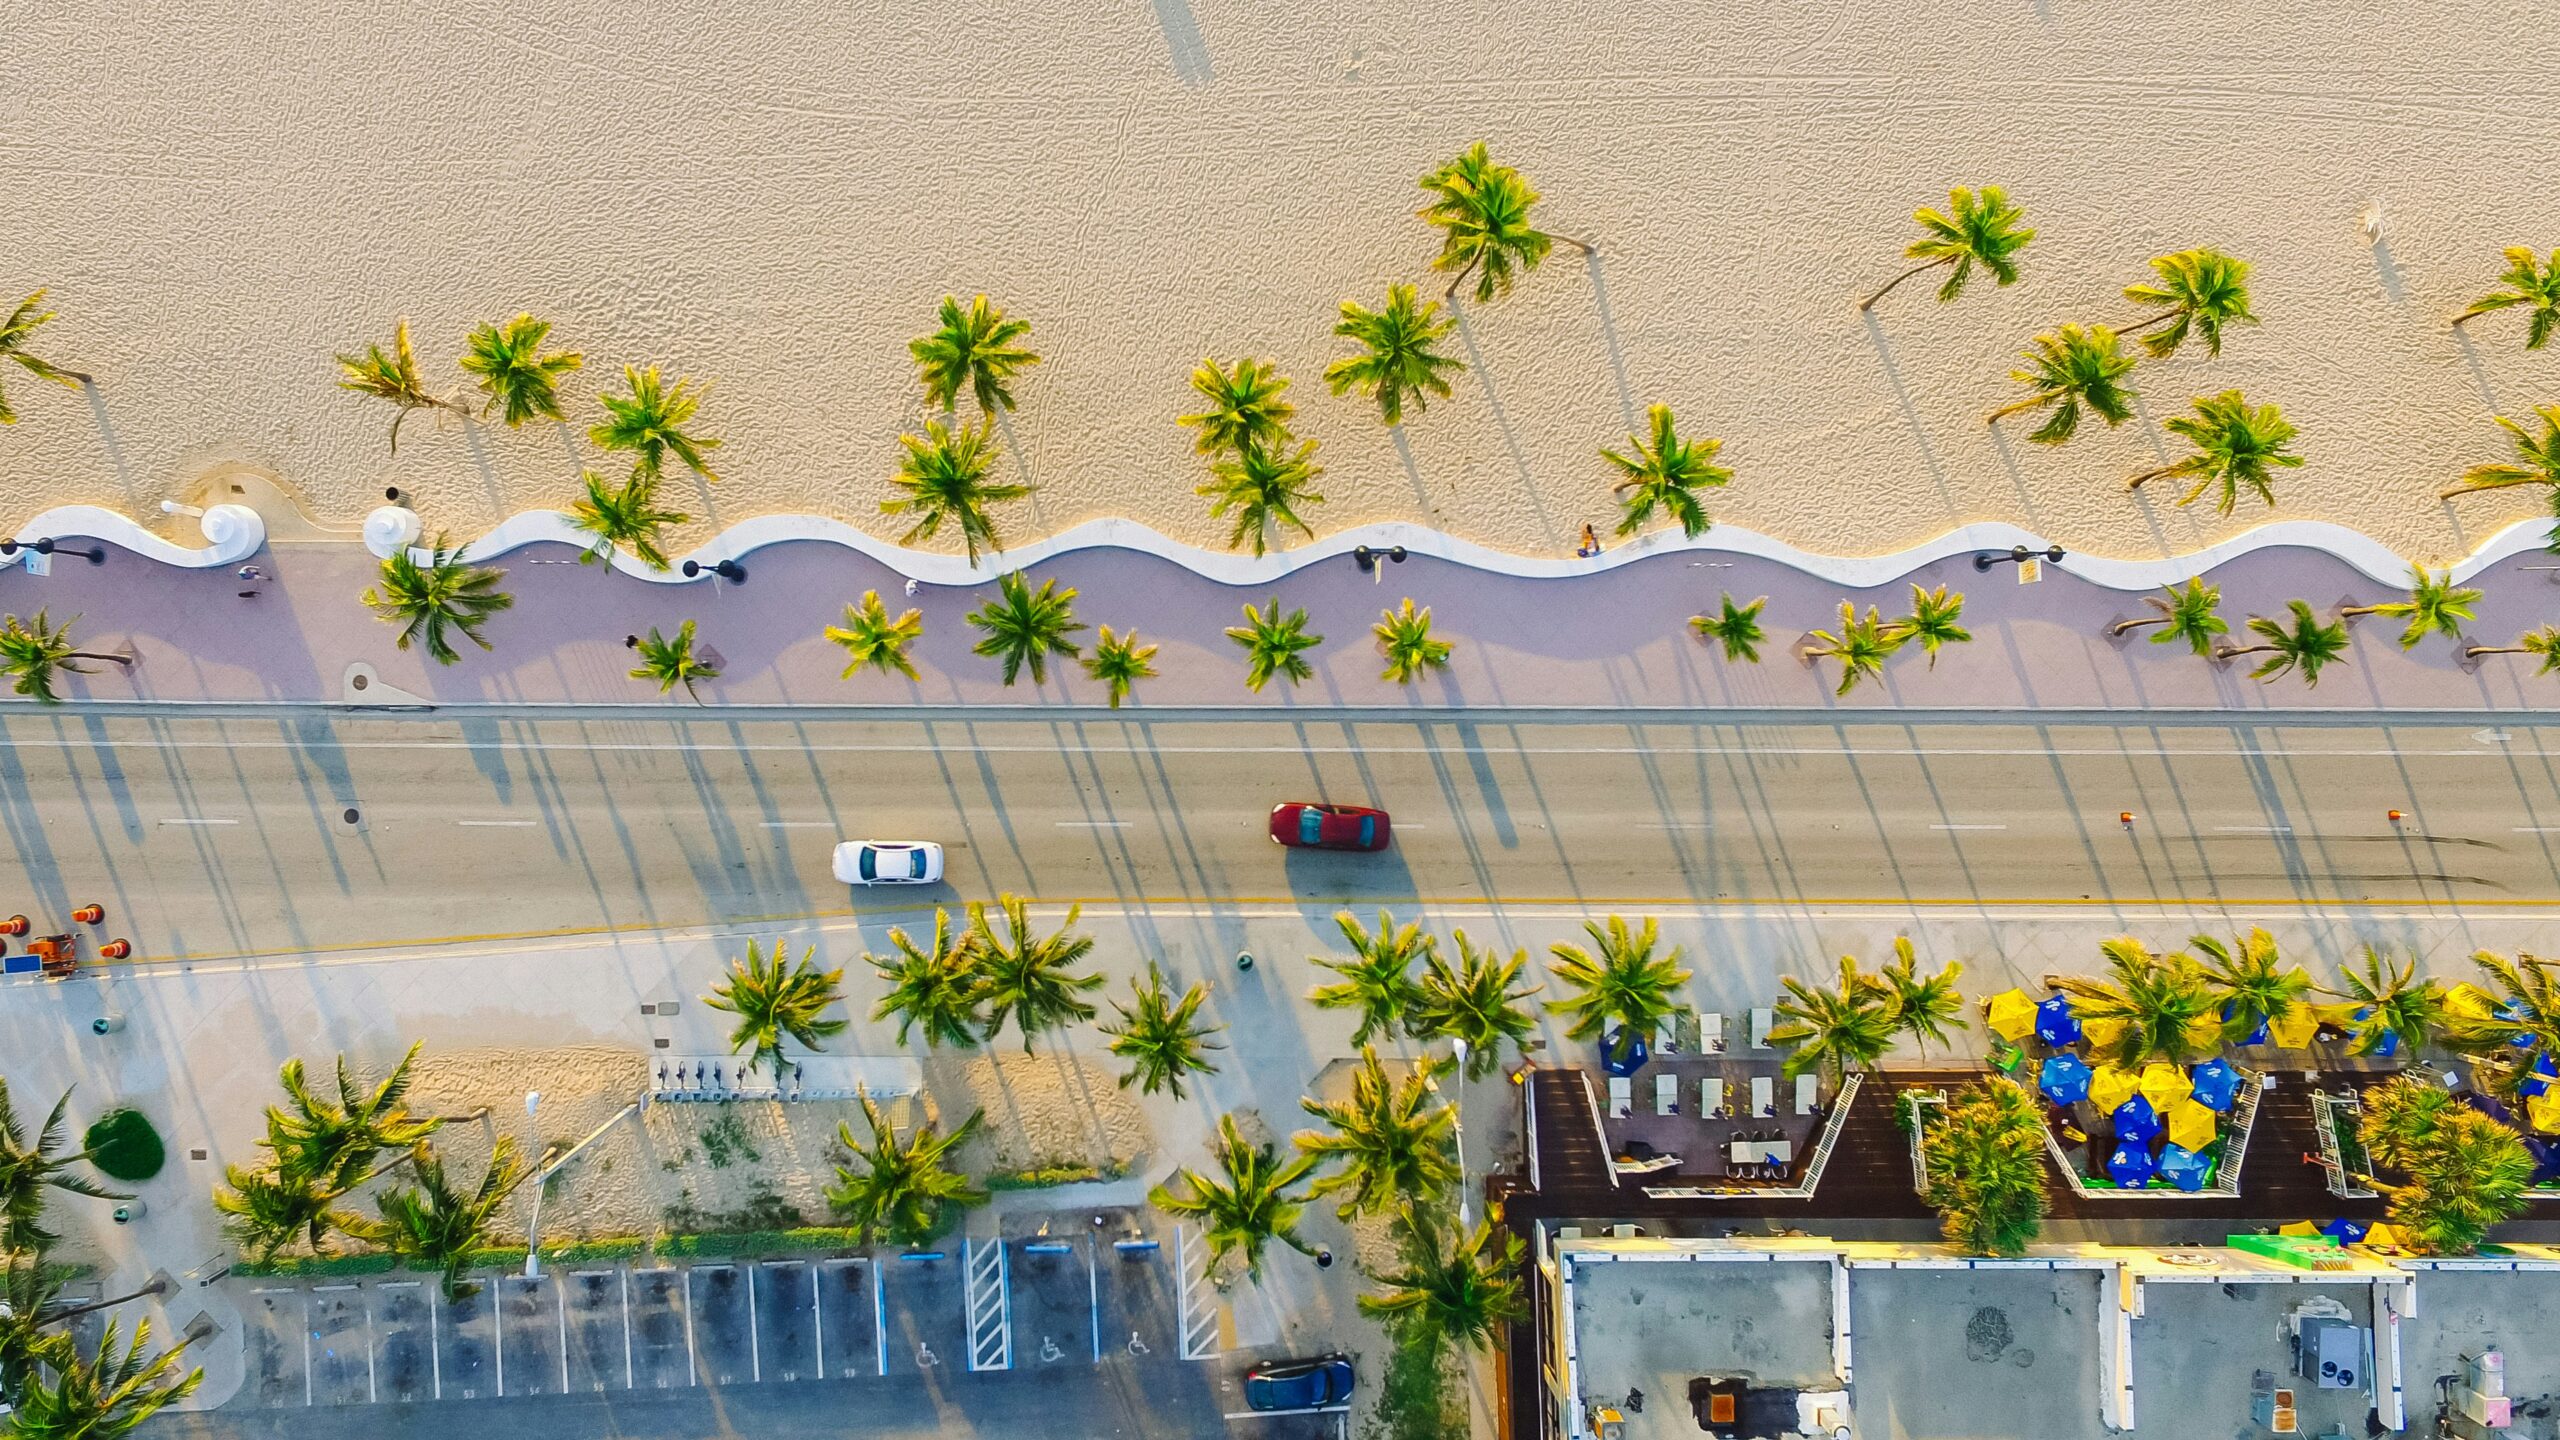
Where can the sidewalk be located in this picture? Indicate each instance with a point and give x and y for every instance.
(1617, 637)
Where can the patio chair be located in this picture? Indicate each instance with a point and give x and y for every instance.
(1763, 1021)
(1666, 1093)
(1711, 1033)
(1806, 1093)
(1764, 1096)
(1711, 1098)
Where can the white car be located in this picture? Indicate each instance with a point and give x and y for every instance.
(888, 862)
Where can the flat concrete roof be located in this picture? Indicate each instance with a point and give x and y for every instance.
(1966, 1353)
(2463, 1312)
(1651, 1326)
(2197, 1346)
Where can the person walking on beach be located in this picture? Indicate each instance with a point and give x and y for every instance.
(1590, 542)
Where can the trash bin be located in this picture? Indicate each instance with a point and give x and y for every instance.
(130, 1211)
(107, 1024)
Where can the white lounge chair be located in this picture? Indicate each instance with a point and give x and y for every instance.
(1622, 1097)
(1666, 1034)
(1711, 1098)
(1711, 1033)
(1764, 1096)
(1666, 1093)
(1762, 1022)
(1806, 1094)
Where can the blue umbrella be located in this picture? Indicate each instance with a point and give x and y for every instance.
(2136, 1123)
(2183, 1167)
(2054, 1022)
(2546, 1159)
(2345, 1232)
(1623, 1051)
(2064, 1079)
(2258, 1035)
(2215, 1083)
(2130, 1165)
(2386, 1043)
(2489, 1105)
(2539, 1078)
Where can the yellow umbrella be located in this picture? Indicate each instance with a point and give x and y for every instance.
(2542, 1112)
(2303, 1228)
(2011, 1016)
(2382, 1235)
(2110, 1087)
(2293, 1029)
(2102, 1035)
(2191, 1124)
(2164, 1084)
(2204, 1032)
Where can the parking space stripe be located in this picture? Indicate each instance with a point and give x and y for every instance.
(755, 1344)
(630, 1375)
(306, 1351)
(560, 1307)
(435, 1339)
(1093, 1295)
(498, 1332)
(818, 1317)
(879, 1316)
(372, 1383)
(692, 1368)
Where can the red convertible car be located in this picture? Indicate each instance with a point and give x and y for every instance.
(1305, 825)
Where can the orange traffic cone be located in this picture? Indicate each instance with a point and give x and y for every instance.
(116, 949)
(90, 914)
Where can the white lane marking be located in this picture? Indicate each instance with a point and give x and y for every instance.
(185, 820)
(497, 824)
(2537, 829)
(2254, 829)
(1676, 825)
(799, 824)
(1097, 825)
(1968, 827)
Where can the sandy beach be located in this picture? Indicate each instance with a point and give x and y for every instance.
(222, 197)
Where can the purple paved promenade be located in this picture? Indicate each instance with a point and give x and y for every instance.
(1616, 638)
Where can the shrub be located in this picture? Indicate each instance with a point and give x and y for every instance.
(1041, 1177)
(1987, 1169)
(123, 1146)
(362, 1262)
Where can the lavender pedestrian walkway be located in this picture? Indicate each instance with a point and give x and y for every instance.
(1618, 638)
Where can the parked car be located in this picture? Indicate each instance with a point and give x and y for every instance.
(1309, 1384)
(888, 862)
(1306, 825)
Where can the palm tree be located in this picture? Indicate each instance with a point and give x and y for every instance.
(2529, 283)
(22, 322)
(1449, 1288)
(1665, 472)
(939, 988)
(30, 1304)
(1482, 210)
(1736, 628)
(2465, 1172)
(333, 1141)
(2235, 449)
(1274, 644)
(671, 662)
(904, 1192)
(1618, 982)
(974, 349)
(1393, 1140)
(444, 597)
(650, 421)
(1399, 360)
(2306, 645)
(437, 1226)
(1982, 230)
(1025, 627)
(2540, 455)
(2160, 1006)
(393, 377)
(2187, 616)
(1245, 408)
(627, 516)
(1404, 638)
(105, 1398)
(32, 652)
(2435, 606)
(943, 478)
(1861, 646)
(266, 1211)
(1473, 1002)
(2386, 1008)
(28, 1171)
(2521, 1028)
(2543, 641)
(1932, 621)
(772, 1001)
(1247, 1206)
(1120, 662)
(2075, 366)
(1986, 1168)
(870, 636)
(1923, 1007)
(514, 373)
(1028, 976)
(2202, 290)
(1834, 1029)
(1378, 979)
(1264, 486)
(1162, 1038)
(2250, 982)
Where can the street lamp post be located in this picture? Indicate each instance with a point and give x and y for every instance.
(2018, 555)
(729, 570)
(1458, 1127)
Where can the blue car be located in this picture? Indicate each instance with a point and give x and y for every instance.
(1310, 1384)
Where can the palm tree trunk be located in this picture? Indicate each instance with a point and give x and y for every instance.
(124, 660)
(2233, 652)
(1869, 302)
(2127, 627)
(2136, 482)
(2474, 652)
(1585, 246)
(1459, 279)
(56, 1317)
(2029, 403)
(2138, 326)
(2349, 612)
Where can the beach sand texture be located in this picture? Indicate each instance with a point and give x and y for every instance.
(222, 195)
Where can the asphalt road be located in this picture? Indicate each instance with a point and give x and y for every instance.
(282, 833)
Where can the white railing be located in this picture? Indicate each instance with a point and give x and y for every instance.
(2327, 1112)
(1921, 1103)
(1529, 1106)
(1599, 1131)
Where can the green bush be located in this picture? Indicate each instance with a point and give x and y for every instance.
(735, 1243)
(366, 1262)
(585, 1252)
(496, 1257)
(123, 1146)
(1041, 1177)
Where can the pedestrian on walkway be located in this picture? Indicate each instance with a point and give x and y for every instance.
(1590, 542)
(248, 575)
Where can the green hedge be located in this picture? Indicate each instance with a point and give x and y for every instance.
(582, 1252)
(1041, 1177)
(370, 1262)
(123, 1146)
(757, 1242)
(732, 1245)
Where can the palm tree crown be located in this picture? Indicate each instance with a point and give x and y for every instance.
(265, 1212)
(1248, 1204)
(1986, 1168)
(33, 652)
(2436, 606)
(649, 421)
(333, 1141)
(28, 1171)
(1120, 662)
(1618, 981)
(1393, 1141)
(439, 1226)
(1029, 977)
(1449, 1288)
(2539, 456)
(1161, 1036)
(2067, 369)
(1977, 228)
(1404, 638)
(626, 516)
(391, 376)
(1473, 1003)
(938, 988)
(1924, 1007)
(972, 349)
(1264, 486)
(2251, 981)
(1664, 472)
(513, 372)
(774, 1000)
(2159, 1006)
(1024, 627)
(1378, 979)
(1834, 1029)
(2529, 283)
(942, 477)
(1245, 406)
(1861, 646)
(902, 1192)
(2236, 448)
(1274, 644)
(671, 662)
(2306, 644)
(22, 322)
(105, 1398)
(871, 636)
(433, 602)
(1735, 627)
(1482, 211)
(2185, 616)
(1399, 360)
(1933, 621)
(2386, 1007)
(2201, 291)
